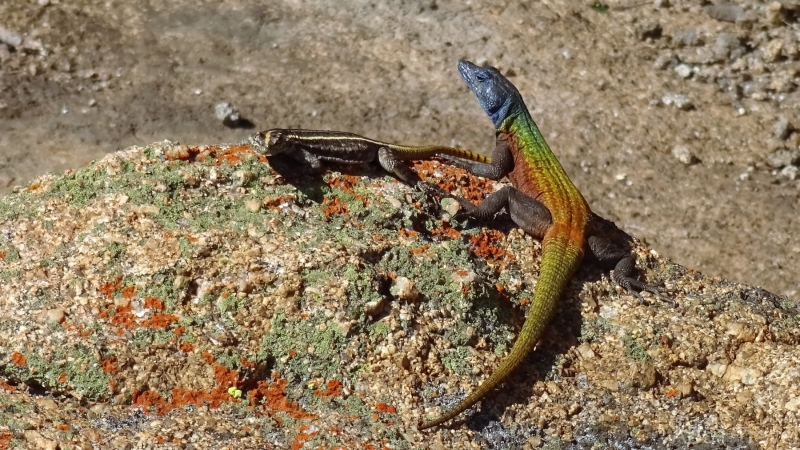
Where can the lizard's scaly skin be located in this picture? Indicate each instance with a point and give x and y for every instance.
(538, 174)
(347, 148)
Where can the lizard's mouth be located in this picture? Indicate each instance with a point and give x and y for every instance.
(467, 71)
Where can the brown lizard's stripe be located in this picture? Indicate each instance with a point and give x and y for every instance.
(332, 143)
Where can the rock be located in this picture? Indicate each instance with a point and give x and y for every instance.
(684, 155)
(728, 45)
(782, 128)
(11, 38)
(663, 61)
(450, 205)
(39, 441)
(790, 172)
(782, 158)
(586, 352)
(687, 37)
(661, 3)
(374, 307)
(683, 70)
(726, 12)
(677, 100)
(773, 13)
(643, 376)
(404, 289)
(772, 50)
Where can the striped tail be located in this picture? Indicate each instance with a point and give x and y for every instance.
(559, 261)
(418, 152)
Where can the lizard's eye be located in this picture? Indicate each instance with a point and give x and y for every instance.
(483, 77)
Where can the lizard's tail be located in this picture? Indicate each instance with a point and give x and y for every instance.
(559, 261)
(466, 154)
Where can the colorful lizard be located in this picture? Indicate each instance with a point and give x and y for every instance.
(543, 202)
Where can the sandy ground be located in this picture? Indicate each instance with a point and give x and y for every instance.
(675, 118)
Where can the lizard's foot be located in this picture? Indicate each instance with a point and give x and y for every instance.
(636, 287)
(622, 277)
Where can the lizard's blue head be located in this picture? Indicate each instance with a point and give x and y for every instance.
(497, 96)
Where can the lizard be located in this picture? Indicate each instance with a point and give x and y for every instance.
(314, 146)
(543, 201)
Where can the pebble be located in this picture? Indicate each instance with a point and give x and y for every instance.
(663, 61)
(404, 289)
(790, 172)
(450, 205)
(227, 113)
(727, 45)
(677, 100)
(781, 128)
(687, 37)
(684, 155)
(782, 158)
(772, 50)
(683, 70)
(54, 315)
(774, 13)
(726, 12)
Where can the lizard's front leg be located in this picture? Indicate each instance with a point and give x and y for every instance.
(606, 251)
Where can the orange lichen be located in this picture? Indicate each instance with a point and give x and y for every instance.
(3, 254)
(178, 331)
(245, 363)
(446, 230)
(232, 155)
(344, 182)
(482, 245)
(303, 436)
(420, 250)
(129, 292)
(160, 321)
(6, 386)
(332, 389)
(473, 188)
(109, 365)
(407, 233)
(225, 377)
(63, 427)
(109, 287)
(19, 359)
(5, 439)
(186, 347)
(275, 202)
(124, 318)
(62, 378)
(274, 399)
(671, 393)
(385, 408)
(153, 303)
(333, 206)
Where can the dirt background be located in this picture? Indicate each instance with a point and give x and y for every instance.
(674, 118)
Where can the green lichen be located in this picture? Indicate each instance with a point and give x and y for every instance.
(457, 360)
(78, 364)
(634, 349)
(10, 410)
(591, 331)
(290, 339)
